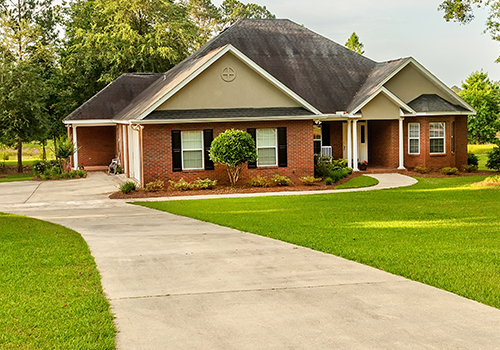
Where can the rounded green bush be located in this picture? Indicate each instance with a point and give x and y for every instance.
(493, 161)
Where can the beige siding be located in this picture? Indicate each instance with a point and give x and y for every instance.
(380, 108)
(210, 91)
(410, 84)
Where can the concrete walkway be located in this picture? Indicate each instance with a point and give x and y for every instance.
(178, 283)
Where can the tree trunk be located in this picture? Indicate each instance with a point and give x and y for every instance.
(19, 156)
(44, 152)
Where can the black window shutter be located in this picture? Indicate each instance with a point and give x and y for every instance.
(208, 136)
(252, 133)
(176, 150)
(325, 134)
(282, 150)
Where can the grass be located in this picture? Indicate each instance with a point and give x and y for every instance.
(357, 182)
(479, 149)
(442, 232)
(31, 162)
(16, 177)
(50, 290)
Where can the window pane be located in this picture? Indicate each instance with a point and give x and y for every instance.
(266, 137)
(267, 156)
(191, 140)
(437, 145)
(436, 129)
(414, 130)
(414, 146)
(192, 159)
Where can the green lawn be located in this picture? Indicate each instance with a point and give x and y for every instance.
(357, 182)
(442, 232)
(16, 177)
(50, 290)
(479, 149)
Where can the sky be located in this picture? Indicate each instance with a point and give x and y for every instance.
(391, 29)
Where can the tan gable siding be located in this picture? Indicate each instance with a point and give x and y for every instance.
(247, 90)
(410, 84)
(380, 108)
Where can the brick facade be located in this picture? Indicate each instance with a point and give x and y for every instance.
(97, 145)
(383, 143)
(157, 143)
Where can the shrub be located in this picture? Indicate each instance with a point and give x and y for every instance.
(324, 165)
(448, 171)
(154, 186)
(469, 168)
(472, 159)
(309, 180)
(258, 181)
(493, 161)
(495, 179)
(128, 187)
(204, 184)
(279, 180)
(422, 169)
(328, 181)
(81, 173)
(181, 185)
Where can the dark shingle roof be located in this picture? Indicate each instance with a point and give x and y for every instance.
(433, 103)
(108, 102)
(228, 113)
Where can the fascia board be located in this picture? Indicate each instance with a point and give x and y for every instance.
(246, 60)
(222, 120)
(90, 122)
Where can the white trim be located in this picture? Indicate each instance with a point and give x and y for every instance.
(267, 147)
(438, 114)
(349, 144)
(396, 100)
(443, 137)
(245, 59)
(401, 146)
(95, 122)
(223, 120)
(192, 149)
(413, 138)
(355, 145)
(75, 144)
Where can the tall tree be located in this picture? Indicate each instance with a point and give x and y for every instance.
(354, 44)
(484, 95)
(233, 10)
(27, 27)
(462, 11)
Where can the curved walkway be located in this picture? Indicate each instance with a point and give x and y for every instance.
(175, 282)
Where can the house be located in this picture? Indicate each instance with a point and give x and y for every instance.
(295, 91)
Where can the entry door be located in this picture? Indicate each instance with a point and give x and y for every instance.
(362, 141)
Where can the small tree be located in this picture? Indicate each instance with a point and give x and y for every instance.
(233, 148)
(493, 161)
(63, 149)
(354, 44)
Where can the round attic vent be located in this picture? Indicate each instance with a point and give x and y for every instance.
(228, 74)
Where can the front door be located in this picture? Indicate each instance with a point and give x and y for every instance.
(362, 140)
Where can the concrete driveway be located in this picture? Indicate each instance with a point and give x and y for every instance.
(177, 283)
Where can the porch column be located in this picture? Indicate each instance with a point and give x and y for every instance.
(75, 144)
(355, 145)
(349, 144)
(401, 145)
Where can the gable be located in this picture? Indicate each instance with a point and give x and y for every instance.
(381, 107)
(410, 83)
(209, 90)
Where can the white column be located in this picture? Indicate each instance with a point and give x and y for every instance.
(75, 156)
(349, 144)
(355, 145)
(401, 146)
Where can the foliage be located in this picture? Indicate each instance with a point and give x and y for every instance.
(329, 181)
(50, 289)
(338, 174)
(462, 11)
(357, 182)
(233, 10)
(468, 168)
(309, 180)
(448, 170)
(418, 232)
(181, 185)
(493, 161)
(233, 148)
(281, 180)
(154, 186)
(325, 165)
(484, 96)
(258, 181)
(354, 44)
(493, 179)
(204, 184)
(422, 169)
(472, 159)
(128, 187)
(44, 167)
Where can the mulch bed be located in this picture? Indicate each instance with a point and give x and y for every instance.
(225, 189)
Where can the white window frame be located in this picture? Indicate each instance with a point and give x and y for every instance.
(267, 147)
(413, 138)
(192, 149)
(438, 137)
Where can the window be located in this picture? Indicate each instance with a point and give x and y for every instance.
(436, 138)
(267, 147)
(192, 149)
(414, 138)
(317, 139)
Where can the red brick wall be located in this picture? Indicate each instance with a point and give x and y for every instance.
(97, 144)
(336, 139)
(383, 143)
(451, 158)
(157, 145)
